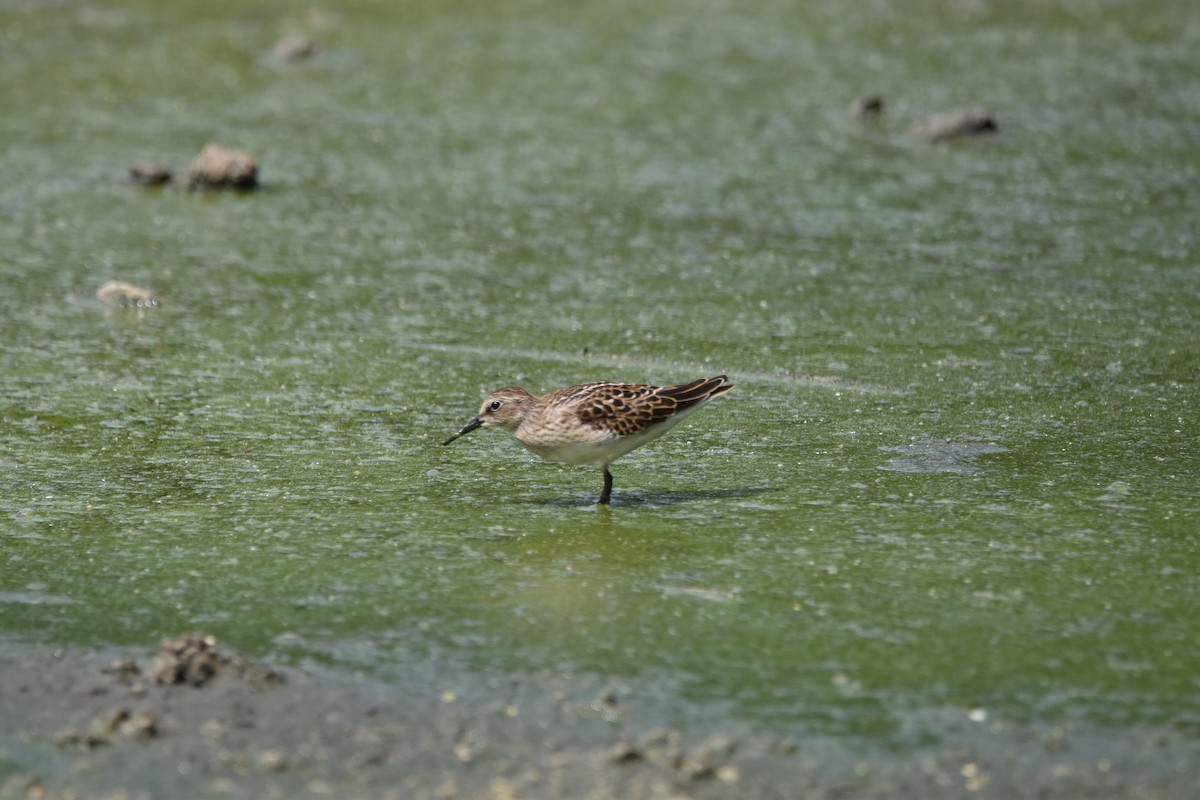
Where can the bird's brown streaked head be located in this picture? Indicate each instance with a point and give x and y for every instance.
(504, 408)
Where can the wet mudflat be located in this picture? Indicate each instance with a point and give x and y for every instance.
(939, 540)
(254, 732)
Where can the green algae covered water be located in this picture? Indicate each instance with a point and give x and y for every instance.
(958, 475)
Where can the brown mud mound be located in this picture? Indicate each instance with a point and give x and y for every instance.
(194, 660)
(219, 167)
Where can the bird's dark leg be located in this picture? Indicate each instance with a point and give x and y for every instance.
(607, 493)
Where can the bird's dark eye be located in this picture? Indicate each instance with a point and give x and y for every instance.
(495, 405)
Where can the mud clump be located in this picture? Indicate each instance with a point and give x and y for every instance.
(148, 174)
(868, 107)
(955, 125)
(109, 727)
(711, 759)
(219, 167)
(294, 49)
(193, 660)
(215, 168)
(120, 293)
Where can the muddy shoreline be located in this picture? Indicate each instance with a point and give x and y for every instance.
(81, 724)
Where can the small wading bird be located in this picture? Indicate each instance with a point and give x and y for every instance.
(593, 423)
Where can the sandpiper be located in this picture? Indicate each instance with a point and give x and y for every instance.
(593, 423)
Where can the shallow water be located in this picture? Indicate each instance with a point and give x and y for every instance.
(960, 467)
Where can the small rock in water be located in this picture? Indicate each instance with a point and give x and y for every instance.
(870, 106)
(147, 174)
(956, 124)
(218, 167)
(291, 49)
(120, 293)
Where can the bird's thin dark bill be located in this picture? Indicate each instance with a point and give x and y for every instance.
(470, 426)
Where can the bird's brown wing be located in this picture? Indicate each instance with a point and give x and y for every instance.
(629, 408)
